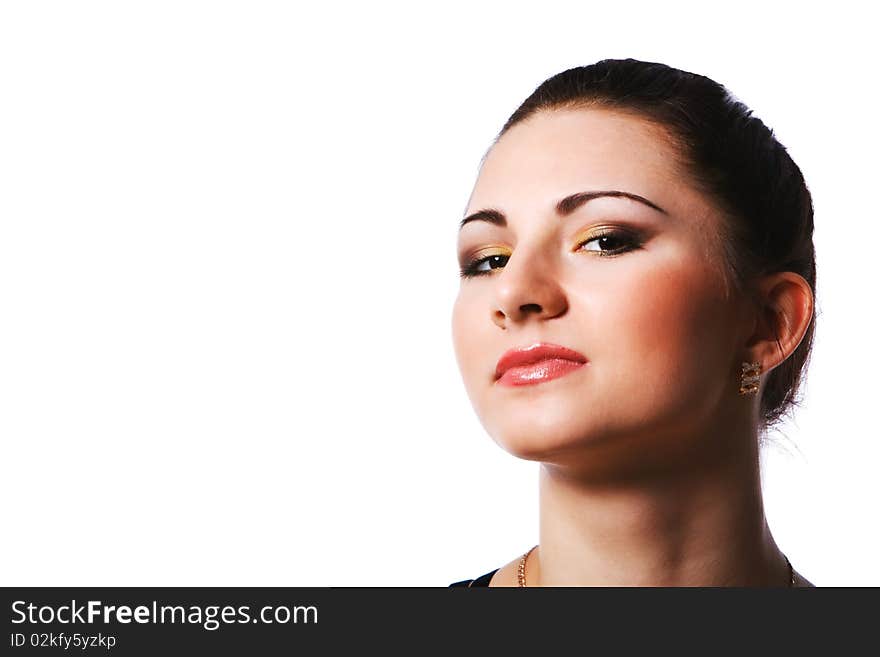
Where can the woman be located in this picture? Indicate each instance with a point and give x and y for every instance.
(635, 312)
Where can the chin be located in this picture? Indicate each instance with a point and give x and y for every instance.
(542, 441)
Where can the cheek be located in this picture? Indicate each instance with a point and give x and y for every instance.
(667, 324)
(465, 333)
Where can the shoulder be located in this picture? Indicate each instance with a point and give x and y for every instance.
(503, 576)
(482, 580)
(801, 581)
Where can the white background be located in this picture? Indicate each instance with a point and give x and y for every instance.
(227, 269)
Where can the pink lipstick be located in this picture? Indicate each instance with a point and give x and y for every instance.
(536, 363)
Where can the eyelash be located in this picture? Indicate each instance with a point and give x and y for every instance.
(631, 244)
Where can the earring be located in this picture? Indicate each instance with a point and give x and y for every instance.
(750, 378)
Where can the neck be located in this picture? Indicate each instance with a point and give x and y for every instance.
(671, 526)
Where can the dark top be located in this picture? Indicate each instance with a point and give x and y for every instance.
(482, 580)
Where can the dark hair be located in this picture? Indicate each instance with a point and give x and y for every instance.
(732, 156)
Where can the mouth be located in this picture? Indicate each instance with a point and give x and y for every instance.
(537, 363)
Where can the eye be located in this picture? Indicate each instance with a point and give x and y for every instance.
(473, 268)
(618, 241)
(610, 243)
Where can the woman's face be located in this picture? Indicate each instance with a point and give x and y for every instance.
(652, 318)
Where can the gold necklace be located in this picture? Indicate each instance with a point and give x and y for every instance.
(522, 569)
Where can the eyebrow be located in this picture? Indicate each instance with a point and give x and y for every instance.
(563, 208)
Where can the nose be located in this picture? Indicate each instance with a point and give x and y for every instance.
(527, 286)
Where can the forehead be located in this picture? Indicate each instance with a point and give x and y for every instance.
(556, 152)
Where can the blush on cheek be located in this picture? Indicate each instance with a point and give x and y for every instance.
(680, 315)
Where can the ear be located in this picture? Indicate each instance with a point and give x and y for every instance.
(785, 311)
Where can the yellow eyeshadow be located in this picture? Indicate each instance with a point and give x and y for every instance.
(487, 252)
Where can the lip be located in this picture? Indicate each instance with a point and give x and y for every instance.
(536, 363)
